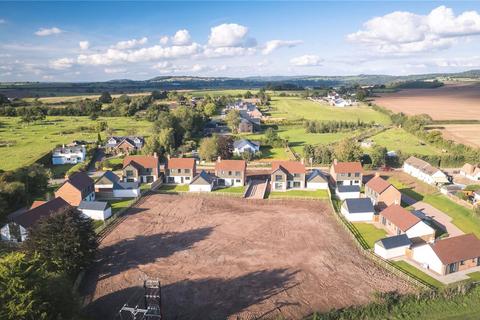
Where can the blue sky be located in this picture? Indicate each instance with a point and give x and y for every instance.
(85, 41)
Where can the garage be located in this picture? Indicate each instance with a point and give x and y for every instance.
(392, 247)
(203, 182)
(96, 210)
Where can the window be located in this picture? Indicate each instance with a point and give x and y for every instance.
(462, 262)
(187, 170)
(229, 173)
(237, 173)
(187, 178)
(278, 177)
(296, 175)
(129, 173)
(238, 181)
(296, 184)
(357, 174)
(349, 175)
(179, 170)
(278, 186)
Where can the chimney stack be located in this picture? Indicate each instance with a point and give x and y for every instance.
(219, 158)
(377, 174)
(335, 161)
(302, 160)
(168, 156)
(155, 155)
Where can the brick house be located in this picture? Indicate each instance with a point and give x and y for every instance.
(77, 188)
(124, 145)
(397, 220)
(180, 170)
(382, 193)
(346, 173)
(231, 172)
(141, 168)
(448, 255)
(287, 175)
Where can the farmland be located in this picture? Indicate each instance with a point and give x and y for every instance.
(399, 139)
(450, 102)
(295, 108)
(27, 142)
(233, 259)
(468, 134)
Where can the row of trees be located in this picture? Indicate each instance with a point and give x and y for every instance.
(312, 126)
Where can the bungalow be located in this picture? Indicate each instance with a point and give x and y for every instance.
(96, 210)
(317, 180)
(203, 182)
(382, 192)
(287, 175)
(141, 168)
(397, 220)
(109, 185)
(124, 145)
(392, 247)
(180, 170)
(77, 188)
(20, 221)
(346, 173)
(360, 209)
(347, 192)
(449, 255)
(231, 172)
(69, 154)
(246, 126)
(470, 172)
(424, 171)
(244, 145)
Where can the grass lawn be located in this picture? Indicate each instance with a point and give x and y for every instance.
(320, 194)
(370, 233)
(419, 274)
(59, 170)
(399, 139)
(462, 217)
(239, 190)
(475, 276)
(294, 108)
(173, 188)
(120, 204)
(403, 188)
(30, 141)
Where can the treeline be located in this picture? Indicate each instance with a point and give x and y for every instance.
(417, 84)
(313, 126)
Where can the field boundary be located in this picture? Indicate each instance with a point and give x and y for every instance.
(362, 245)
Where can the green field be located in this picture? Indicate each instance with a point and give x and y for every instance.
(370, 233)
(30, 141)
(295, 108)
(419, 273)
(319, 194)
(399, 139)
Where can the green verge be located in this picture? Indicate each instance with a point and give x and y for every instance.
(318, 194)
(370, 233)
(462, 217)
(419, 274)
(120, 204)
(239, 190)
(173, 188)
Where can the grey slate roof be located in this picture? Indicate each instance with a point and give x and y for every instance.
(240, 143)
(317, 176)
(108, 177)
(93, 205)
(203, 178)
(394, 242)
(359, 205)
(342, 189)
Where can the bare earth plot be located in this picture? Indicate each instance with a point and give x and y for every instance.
(231, 258)
(450, 102)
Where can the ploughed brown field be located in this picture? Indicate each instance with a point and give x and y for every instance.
(450, 102)
(220, 258)
(468, 134)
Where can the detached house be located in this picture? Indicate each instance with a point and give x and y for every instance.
(244, 145)
(346, 173)
(19, 222)
(77, 188)
(382, 193)
(180, 170)
(69, 154)
(397, 220)
(470, 172)
(141, 168)
(109, 185)
(287, 175)
(124, 145)
(231, 172)
(202, 182)
(424, 171)
(449, 255)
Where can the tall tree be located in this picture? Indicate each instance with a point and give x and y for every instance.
(233, 120)
(348, 150)
(105, 97)
(65, 241)
(208, 149)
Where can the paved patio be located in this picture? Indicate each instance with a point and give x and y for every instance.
(439, 216)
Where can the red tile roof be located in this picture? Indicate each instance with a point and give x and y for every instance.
(37, 203)
(148, 162)
(181, 163)
(347, 167)
(378, 184)
(234, 165)
(30, 217)
(457, 249)
(400, 217)
(290, 166)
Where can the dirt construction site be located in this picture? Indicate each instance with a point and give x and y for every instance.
(229, 258)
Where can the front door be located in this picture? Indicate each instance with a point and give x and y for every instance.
(452, 268)
(181, 179)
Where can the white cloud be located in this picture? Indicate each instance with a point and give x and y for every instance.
(306, 60)
(181, 38)
(164, 40)
(84, 45)
(62, 63)
(273, 45)
(157, 52)
(230, 35)
(42, 32)
(114, 70)
(406, 32)
(128, 44)
(166, 67)
(463, 62)
(227, 52)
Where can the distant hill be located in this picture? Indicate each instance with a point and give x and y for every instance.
(32, 89)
